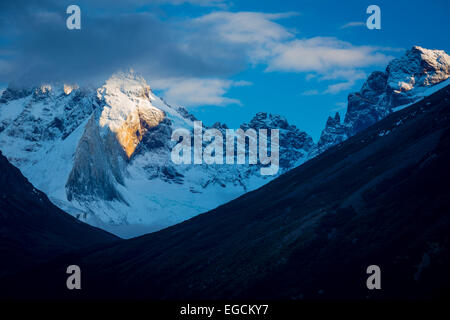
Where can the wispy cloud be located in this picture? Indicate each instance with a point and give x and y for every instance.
(338, 87)
(203, 3)
(339, 106)
(265, 41)
(194, 92)
(211, 47)
(253, 33)
(322, 55)
(350, 75)
(354, 74)
(353, 24)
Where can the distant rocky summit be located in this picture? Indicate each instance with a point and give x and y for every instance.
(405, 80)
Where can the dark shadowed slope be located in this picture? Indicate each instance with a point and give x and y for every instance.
(382, 197)
(32, 229)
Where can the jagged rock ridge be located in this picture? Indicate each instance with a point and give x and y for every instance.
(405, 80)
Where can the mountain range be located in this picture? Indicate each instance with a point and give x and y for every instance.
(103, 154)
(381, 197)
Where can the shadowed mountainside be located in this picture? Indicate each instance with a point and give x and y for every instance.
(32, 229)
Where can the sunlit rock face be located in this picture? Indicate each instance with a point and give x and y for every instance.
(127, 110)
(110, 138)
(67, 88)
(133, 129)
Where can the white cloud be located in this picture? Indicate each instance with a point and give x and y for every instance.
(270, 43)
(321, 54)
(353, 24)
(193, 92)
(201, 3)
(246, 27)
(264, 41)
(256, 33)
(242, 83)
(345, 74)
(338, 87)
(351, 75)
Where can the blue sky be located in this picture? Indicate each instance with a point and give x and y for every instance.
(224, 60)
(404, 24)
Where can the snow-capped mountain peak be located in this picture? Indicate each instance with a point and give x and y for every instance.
(405, 80)
(127, 110)
(104, 155)
(419, 67)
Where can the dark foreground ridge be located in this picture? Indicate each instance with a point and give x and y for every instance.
(32, 229)
(382, 197)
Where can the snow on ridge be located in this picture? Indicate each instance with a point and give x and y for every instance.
(424, 93)
(103, 154)
(407, 79)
